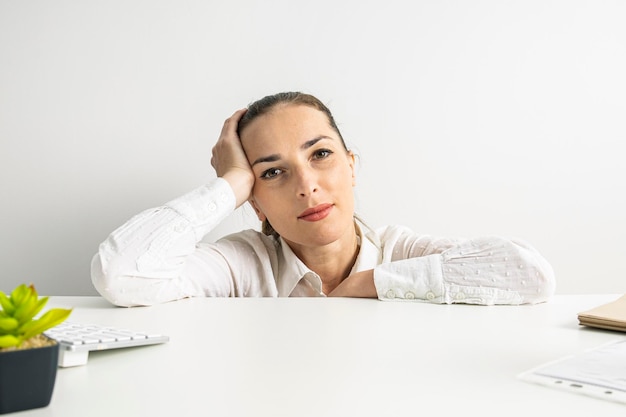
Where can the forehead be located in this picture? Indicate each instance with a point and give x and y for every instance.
(284, 124)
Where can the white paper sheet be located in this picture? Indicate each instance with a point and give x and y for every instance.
(600, 372)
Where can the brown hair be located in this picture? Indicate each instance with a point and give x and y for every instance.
(264, 105)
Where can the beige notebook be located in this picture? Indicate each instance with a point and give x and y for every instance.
(610, 316)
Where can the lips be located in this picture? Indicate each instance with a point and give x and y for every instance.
(316, 213)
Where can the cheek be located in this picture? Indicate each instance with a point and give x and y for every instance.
(348, 180)
(264, 201)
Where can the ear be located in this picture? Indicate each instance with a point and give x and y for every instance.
(351, 160)
(257, 210)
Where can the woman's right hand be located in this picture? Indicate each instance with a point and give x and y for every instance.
(230, 161)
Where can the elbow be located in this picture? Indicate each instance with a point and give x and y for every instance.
(109, 287)
(125, 290)
(540, 273)
(545, 285)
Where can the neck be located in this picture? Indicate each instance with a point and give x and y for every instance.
(332, 262)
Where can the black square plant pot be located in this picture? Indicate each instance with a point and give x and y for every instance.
(27, 378)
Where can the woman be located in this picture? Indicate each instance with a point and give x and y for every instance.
(285, 156)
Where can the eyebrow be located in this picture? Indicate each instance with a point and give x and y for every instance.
(276, 157)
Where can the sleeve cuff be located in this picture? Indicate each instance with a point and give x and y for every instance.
(411, 279)
(206, 206)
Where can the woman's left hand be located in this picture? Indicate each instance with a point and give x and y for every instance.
(358, 285)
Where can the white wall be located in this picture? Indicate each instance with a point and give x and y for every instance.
(470, 118)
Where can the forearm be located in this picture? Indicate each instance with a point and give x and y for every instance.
(155, 244)
(487, 270)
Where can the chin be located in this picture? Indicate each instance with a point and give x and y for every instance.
(321, 236)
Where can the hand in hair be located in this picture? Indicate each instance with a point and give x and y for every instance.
(229, 159)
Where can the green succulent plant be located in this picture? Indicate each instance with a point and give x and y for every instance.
(17, 317)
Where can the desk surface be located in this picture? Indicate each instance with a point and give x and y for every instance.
(329, 357)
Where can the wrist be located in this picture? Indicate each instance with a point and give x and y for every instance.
(241, 182)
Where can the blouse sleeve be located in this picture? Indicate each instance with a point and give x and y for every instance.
(144, 261)
(486, 270)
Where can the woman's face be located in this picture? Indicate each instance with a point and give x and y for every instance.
(304, 175)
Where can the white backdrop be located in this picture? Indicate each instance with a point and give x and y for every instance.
(469, 118)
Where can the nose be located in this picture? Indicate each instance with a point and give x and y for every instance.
(306, 182)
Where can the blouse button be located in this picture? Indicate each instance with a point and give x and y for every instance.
(409, 295)
(460, 296)
(390, 294)
(212, 207)
(430, 295)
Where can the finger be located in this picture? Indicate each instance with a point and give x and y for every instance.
(239, 113)
(233, 121)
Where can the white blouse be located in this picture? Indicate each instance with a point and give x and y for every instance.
(157, 256)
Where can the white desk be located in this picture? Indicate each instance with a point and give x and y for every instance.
(329, 357)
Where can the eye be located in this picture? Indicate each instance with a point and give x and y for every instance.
(271, 173)
(322, 153)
